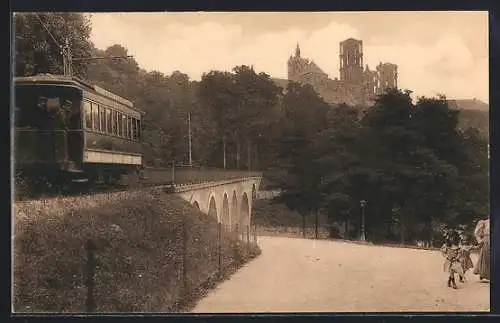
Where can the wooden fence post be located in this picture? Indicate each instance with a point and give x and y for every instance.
(184, 256)
(91, 263)
(219, 243)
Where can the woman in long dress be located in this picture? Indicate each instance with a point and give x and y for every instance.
(482, 233)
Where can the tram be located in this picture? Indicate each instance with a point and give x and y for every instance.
(68, 130)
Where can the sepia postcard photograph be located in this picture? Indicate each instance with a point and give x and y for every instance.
(250, 162)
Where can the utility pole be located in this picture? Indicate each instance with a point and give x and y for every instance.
(189, 137)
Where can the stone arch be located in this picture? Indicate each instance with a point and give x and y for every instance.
(234, 212)
(254, 192)
(225, 220)
(196, 205)
(212, 208)
(245, 216)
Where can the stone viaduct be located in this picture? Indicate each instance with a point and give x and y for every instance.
(230, 201)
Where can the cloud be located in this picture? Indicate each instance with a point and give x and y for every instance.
(444, 66)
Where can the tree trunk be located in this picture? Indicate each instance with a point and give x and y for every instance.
(237, 154)
(402, 228)
(431, 234)
(346, 232)
(304, 226)
(316, 223)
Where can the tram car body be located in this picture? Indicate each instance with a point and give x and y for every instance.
(69, 130)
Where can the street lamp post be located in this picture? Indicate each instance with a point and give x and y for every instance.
(363, 205)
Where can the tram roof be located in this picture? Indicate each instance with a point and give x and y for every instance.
(72, 80)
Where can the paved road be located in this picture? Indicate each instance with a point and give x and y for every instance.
(299, 275)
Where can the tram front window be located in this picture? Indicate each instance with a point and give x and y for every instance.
(46, 107)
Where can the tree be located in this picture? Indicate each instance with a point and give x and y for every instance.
(304, 118)
(241, 105)
(257, 96)
(37, 52)
(216, 94)
(472, 199)
(338, 156)
(167, 100)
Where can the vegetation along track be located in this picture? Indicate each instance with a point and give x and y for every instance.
(25, 190)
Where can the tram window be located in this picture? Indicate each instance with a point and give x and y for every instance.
(120, 124)
(138, 122)
(138, 129)
(131, 127)
(88, 114)
(102, 119)
(113, 122)
(95, 116)
(108, 121)
(124, 124)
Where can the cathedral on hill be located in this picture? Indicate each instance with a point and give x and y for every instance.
(357, 86)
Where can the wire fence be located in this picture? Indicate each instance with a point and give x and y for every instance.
(133, 251)
(199, 255)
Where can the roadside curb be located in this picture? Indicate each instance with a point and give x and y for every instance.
(358, 242)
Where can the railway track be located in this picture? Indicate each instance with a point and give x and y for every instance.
(162, 178)
(87, 191)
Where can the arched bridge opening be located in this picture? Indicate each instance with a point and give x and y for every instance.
(225, 213)
(245, 217)
(212, 208)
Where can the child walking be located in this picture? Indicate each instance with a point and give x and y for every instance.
(451, 252)
(465, 249)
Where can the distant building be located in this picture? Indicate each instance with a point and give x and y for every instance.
(356, 86)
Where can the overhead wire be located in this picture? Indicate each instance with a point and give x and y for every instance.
(48, 31)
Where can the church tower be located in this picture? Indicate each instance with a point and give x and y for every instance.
(295, 64)
(297, 51)
(387, 76)
(351, 61)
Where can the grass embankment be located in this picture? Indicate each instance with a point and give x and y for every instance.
(139, 256)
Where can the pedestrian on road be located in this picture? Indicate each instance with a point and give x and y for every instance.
(465, 249)
(451, 252)
(482, 233)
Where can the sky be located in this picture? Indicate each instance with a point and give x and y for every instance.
(436, 52)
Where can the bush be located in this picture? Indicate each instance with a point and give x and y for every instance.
(139, 240)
